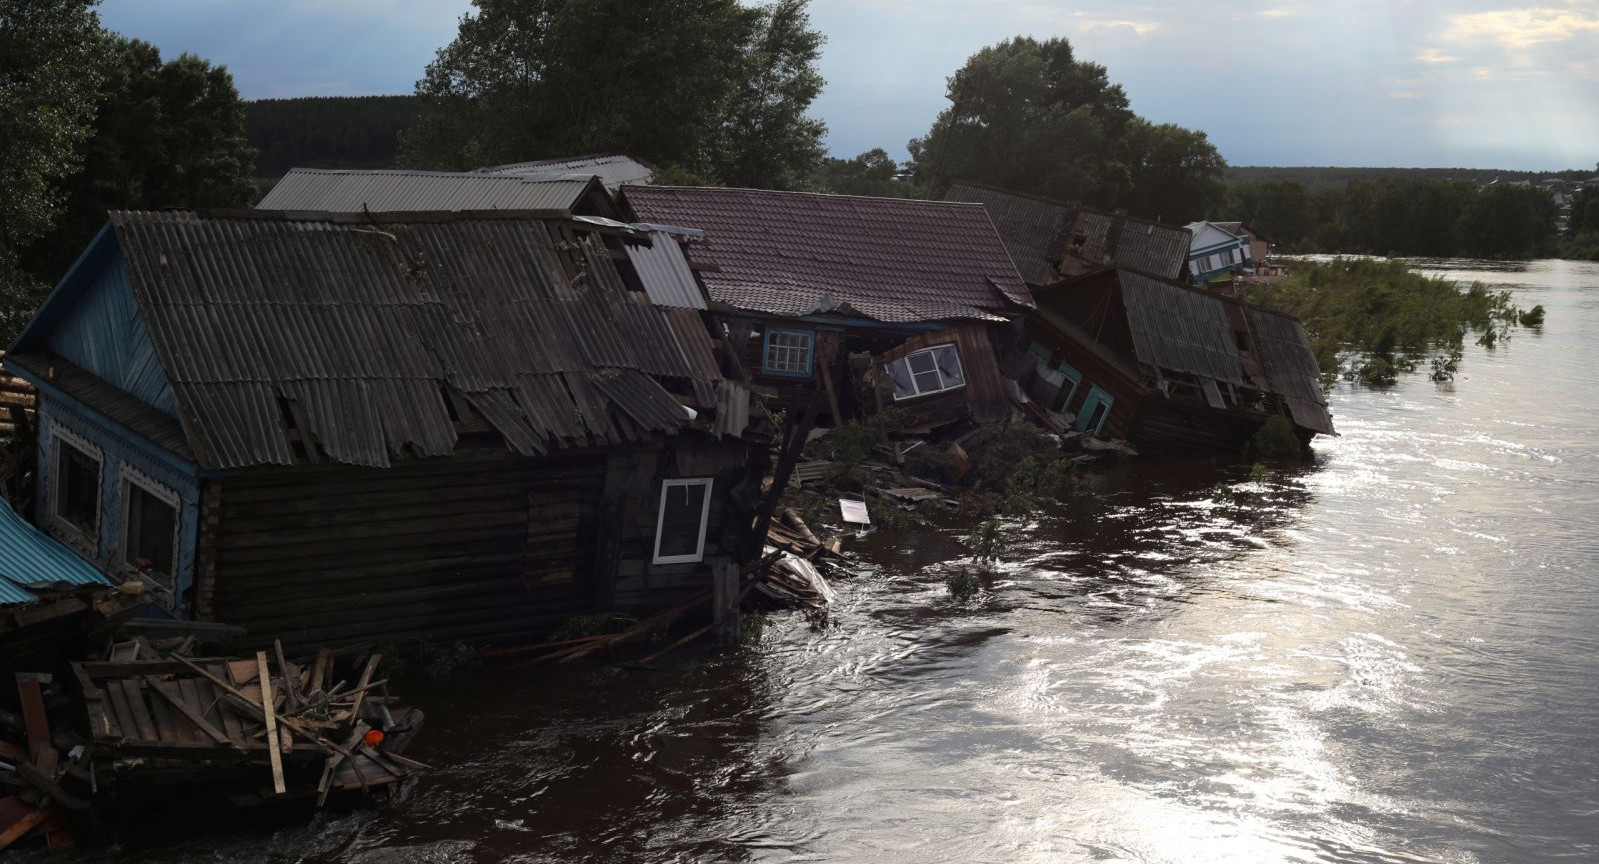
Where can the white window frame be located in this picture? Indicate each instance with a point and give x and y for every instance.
(660, 520)
(916, 387)
(59, 435)
(134, 477)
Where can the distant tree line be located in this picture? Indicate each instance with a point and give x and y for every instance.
(1318, 177)
(326, 132)
(1422, 217)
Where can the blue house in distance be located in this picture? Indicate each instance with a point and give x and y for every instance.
(335, 428)
(1216, 252)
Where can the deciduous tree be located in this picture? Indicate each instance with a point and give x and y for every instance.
(710, 87)
(52, 56)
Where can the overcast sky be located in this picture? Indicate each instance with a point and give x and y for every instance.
(1464, 83)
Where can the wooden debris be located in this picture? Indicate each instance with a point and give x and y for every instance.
(170, 719)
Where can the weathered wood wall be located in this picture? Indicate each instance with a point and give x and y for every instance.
(483, 545)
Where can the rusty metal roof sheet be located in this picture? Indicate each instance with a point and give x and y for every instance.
(346, 191)
(799, 253)
(1032, 228)
(665, 272)
(614, 170)
(1180, 329)
(31, 561)
(356, 330)
(1289, 365)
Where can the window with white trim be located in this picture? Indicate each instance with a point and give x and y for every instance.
(930, 370)
(149, 526)
(680, 524)
(75, 498)
(787, 352)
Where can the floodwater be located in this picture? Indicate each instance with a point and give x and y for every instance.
(1388, 655)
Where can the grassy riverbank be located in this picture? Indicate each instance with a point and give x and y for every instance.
(1371, 319)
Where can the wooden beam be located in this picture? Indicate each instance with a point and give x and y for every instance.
(166, 689)
(271, 715)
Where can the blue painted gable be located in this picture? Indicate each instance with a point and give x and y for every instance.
(103, 332)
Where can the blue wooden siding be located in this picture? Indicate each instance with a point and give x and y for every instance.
(104, 333)
(119, 451)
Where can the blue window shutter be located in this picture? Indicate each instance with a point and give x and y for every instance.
(1091, 403)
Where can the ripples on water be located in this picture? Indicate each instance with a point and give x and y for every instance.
(1385, 656)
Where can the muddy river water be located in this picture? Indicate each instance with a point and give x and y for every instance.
(1390, 654)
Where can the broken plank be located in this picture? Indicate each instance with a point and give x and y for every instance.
(213, 703)
(173, 694)
(126, 726)
(361, 685)
(33, 715)
(290, 676)
(141, 713)
(270, 712)
(14, 832)
(167, 727)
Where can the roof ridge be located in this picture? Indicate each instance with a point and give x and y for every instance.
(803, 192)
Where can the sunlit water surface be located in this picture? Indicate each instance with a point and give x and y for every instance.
(1387, 655)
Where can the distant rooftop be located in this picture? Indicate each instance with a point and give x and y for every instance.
(614, 170)
(390, 191)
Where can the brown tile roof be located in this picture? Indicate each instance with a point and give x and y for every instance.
(795, 253)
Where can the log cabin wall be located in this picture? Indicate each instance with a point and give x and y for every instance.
(483, 545)
(633, 497)
(1067, 343)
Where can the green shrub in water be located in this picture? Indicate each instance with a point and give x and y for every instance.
(963, 585)
(1275, 439)
(1533, 317)
(988, 543)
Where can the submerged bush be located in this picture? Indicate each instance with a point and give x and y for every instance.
(988, 543)
(1533, 318)
(1389, 317)
(1275, 440)
(963, 585)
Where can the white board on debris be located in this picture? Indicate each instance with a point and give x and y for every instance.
(854, 511)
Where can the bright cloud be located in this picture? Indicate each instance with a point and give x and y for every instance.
(1433, 55)
(1519, 29)
(1139, 28)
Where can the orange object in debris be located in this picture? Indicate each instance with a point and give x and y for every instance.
(373, 738)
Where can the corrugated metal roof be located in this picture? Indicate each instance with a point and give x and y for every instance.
(613, 170)
(31, 559)
(1126, 242)
(356, 329)
(665, 272)
(1032, 228)
(796, 253)
(1179, 329)
(1289, 365)
(309, 189)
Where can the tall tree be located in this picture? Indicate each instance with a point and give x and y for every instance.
(167, 134)
(1028, 115)
(1174, 173)
(52, 53)
(710, 87)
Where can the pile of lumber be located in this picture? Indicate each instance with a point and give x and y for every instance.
(43, 776)
(266, 726)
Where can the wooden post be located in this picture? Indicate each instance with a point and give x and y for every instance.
(825, 358)
(725, 602)
(271, 716)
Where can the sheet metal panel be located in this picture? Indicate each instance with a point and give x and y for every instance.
(362, 325)
(1180, 329)
(1282, 348)
(29, 557)
(387, 191)
(613, 170)
(665, 273)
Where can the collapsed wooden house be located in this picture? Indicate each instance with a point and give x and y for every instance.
(1050, 239)
(334, 429)
(1122, 354)
(871, 301)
